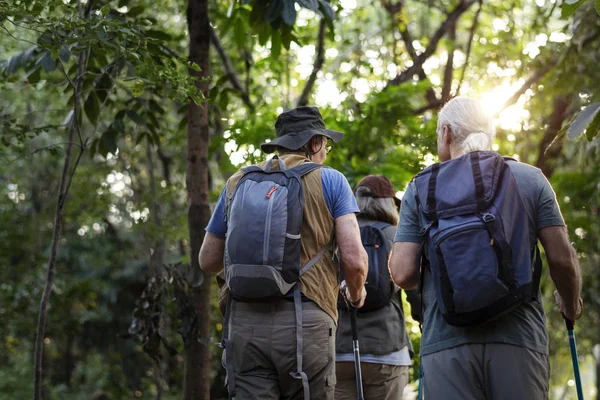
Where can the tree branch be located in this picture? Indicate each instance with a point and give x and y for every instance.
(469, 44)
(546, 160)
(452, 17)
(537, 75)
(395, 13)
(229, 69)
(57, 230)
(317, 65)
(429, 106)
(449, 64)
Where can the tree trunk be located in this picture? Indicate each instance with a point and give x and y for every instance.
(197, 353)
(546, 160)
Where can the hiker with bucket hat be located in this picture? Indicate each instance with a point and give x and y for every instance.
(274, 232)
(384, 343)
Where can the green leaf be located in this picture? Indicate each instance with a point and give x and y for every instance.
(328, 11)
(103, 86)
(312, 5)
(135, 11)
(289, 12)
(34, 75)
(223, 100)
(118, 125)
(275, 44)
(239, 33)
(92, 107)
(273, 11)
(159, 35)
(583, 119)
(135, 117)
(183, 123)
(140, 137)
(64, 54)
(13, 64)
(108, 143)
(48, 62)
(94, 148)
(593, 129)
(286, 36)
(138, 88)
(264, 34)
(195, 67)
(598, 6)
(105, 9)
(569, 9)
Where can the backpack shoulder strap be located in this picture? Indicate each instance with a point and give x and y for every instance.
(252, 168)
(313, 260)
(380, 225)
(305, 168)
(270, 164)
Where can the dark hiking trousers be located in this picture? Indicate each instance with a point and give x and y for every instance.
(492, 371)
(264, 351)
(380, 381)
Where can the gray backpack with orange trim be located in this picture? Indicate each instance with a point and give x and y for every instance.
(262, 246)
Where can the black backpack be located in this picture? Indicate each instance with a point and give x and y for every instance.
(378, 284)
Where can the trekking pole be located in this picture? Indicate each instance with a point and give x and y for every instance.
(359, 387)
(569, 325)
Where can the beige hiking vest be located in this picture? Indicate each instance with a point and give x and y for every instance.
(321, 282)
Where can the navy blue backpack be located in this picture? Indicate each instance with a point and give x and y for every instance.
(477, 238)
(378, 284)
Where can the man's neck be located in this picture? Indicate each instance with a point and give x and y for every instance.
(455, 153)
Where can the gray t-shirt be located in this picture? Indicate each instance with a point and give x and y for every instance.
(526, 325)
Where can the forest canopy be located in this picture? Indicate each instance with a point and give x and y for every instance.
(120, 121)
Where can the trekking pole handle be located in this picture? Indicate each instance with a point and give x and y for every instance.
(353, 312)
(568, 323)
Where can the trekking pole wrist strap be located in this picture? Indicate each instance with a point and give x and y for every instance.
(355, 303)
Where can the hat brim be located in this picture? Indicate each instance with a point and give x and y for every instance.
(295, 140)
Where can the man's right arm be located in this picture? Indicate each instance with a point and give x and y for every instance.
(564, 269)
(562, 258)
(353, 257)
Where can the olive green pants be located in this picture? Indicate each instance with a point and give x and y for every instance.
(264, 351)
(380, 381)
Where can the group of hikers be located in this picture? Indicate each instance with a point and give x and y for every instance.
(296, 249)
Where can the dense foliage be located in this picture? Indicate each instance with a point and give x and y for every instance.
(114, 76)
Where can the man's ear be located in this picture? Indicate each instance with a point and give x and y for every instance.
(314, 145)
(447, 135)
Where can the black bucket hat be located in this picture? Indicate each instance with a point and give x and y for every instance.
(296, 127)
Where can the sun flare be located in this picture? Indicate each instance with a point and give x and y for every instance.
(511, 118)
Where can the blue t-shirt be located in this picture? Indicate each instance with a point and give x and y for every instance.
(526, 325)
(336, 190)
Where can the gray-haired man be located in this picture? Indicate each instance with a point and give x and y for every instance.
(506, 358)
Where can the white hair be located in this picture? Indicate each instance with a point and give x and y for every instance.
(471, 127)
